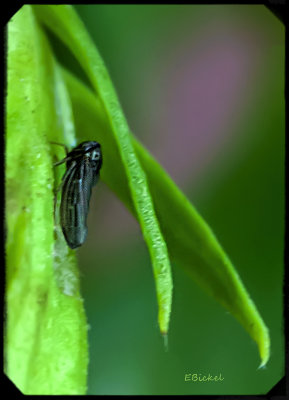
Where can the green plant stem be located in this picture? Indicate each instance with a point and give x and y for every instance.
(46, 329)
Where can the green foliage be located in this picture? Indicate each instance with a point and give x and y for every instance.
(191, 243)
(46, 330)
(66, 24)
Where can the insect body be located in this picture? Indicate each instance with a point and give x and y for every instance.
(82, 172)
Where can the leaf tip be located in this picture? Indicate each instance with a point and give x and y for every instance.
(264, 348)
(166, 342)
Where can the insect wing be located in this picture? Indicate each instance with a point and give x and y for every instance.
(75, 199)
(83, 164)
(86, 178)
(71, 216)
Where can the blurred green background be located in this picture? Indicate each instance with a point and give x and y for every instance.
(203, 89)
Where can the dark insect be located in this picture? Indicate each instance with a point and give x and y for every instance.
(82, 172)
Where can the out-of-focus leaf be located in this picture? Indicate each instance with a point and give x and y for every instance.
(191, 243)
(46, 329)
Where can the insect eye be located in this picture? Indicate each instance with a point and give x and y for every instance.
(95, 156)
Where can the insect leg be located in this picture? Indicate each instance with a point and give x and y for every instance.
(66, 151)
(61, 144)
(62, 161)
(67, 159)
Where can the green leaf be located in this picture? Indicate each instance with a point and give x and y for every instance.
(68, 27)
(46, 329)
(191, 243)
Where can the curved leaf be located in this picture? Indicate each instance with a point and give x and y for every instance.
(68, 27)
(191, 243)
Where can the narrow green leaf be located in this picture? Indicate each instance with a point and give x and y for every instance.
(68, 27)
(191, 243)
(46, 329)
